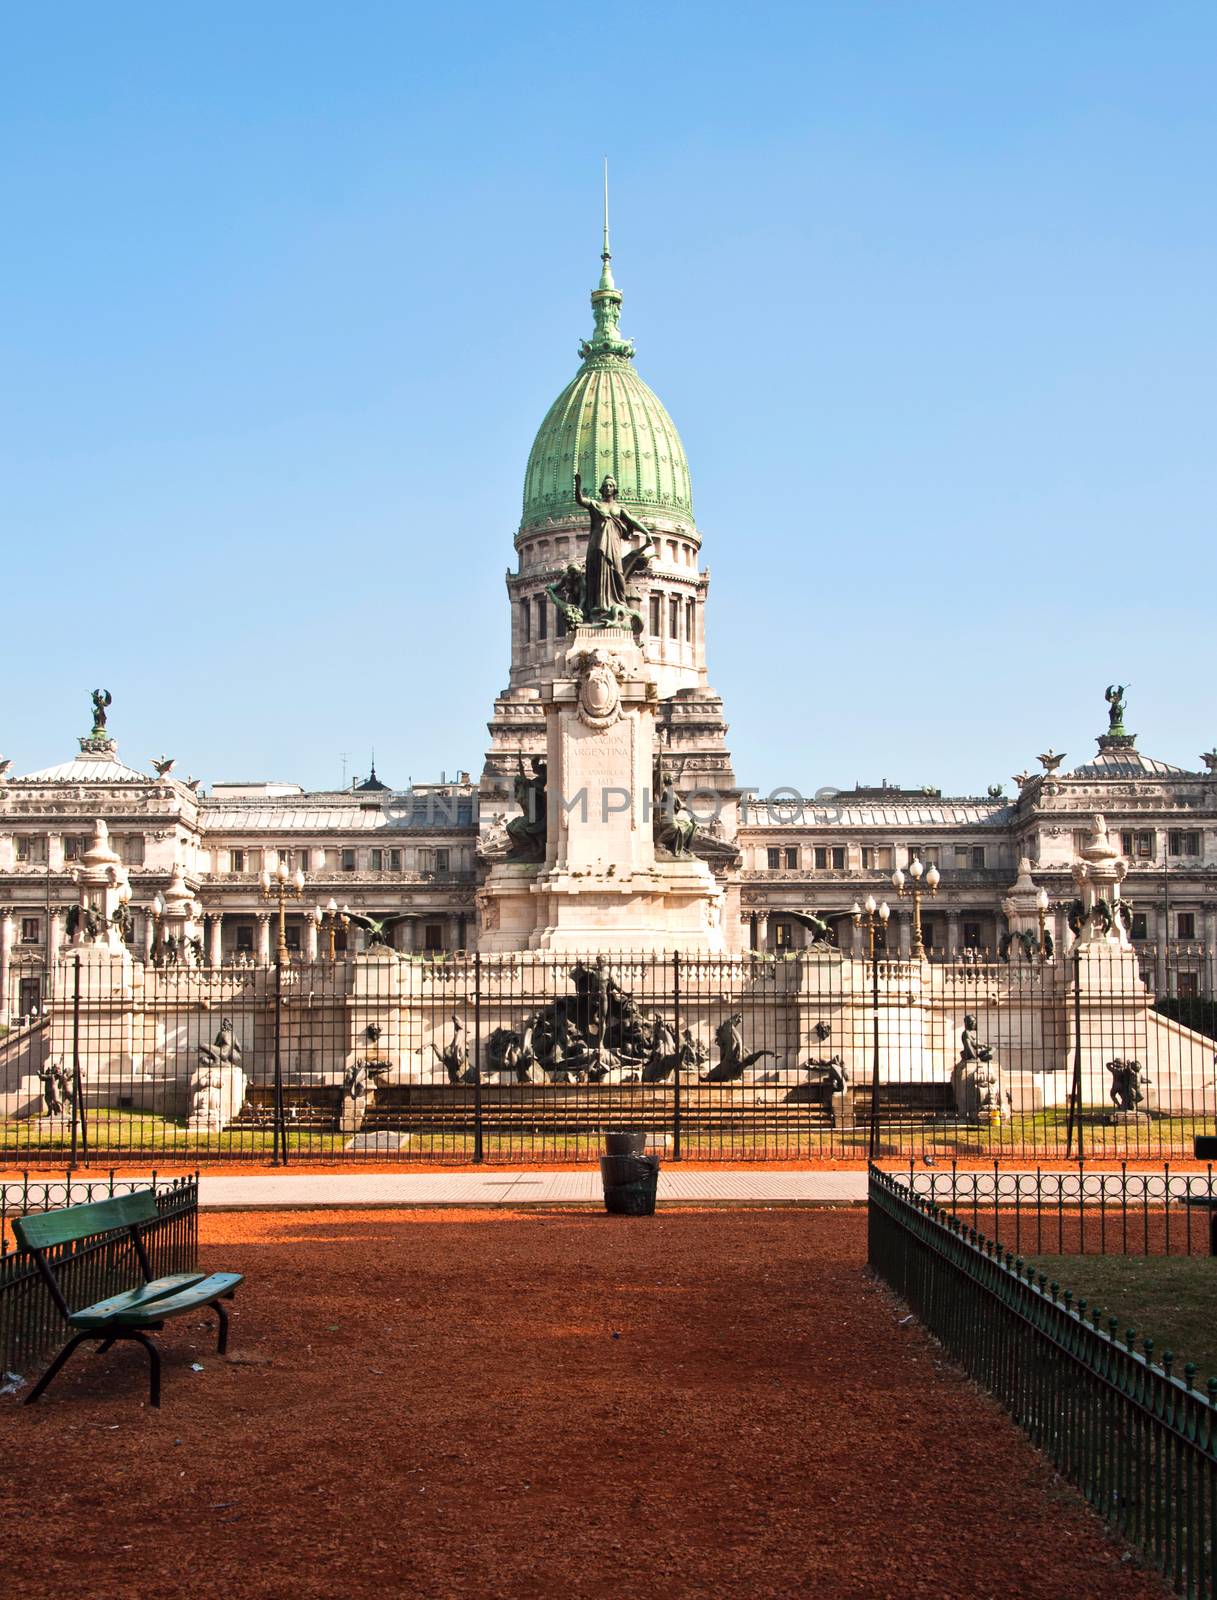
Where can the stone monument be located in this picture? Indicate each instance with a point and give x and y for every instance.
(218, 1084)
(597, 858)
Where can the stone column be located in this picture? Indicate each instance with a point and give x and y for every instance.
(952, 935)
(904, 934)
(263, 955)
(762, 930)
(310, 939)
(215, 939)
(149, 933)
(6, 957)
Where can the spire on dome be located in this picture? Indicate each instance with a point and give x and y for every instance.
(606, 255)
(606, 305)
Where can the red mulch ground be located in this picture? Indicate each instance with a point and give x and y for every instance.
(478, 1404)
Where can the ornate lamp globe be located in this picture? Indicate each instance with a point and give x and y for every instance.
(933, 878)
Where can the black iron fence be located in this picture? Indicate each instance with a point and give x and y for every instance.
(1113, 1210)
(31, 1325)
(530, 1058)
(1138, 1441)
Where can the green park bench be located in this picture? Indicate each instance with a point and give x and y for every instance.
(133, 1313)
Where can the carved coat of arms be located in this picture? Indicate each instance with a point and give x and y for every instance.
(599, 688)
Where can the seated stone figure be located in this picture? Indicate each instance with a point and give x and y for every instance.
(674, 824)
(527, 832)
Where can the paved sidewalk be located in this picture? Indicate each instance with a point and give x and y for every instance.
(504, 1188)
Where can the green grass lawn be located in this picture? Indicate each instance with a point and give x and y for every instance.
(1169, 1299)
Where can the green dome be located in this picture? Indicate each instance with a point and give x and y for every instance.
(607, 422)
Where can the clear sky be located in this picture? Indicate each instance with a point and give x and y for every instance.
(929, 290)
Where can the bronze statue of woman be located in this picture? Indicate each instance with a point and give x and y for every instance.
(608, 568)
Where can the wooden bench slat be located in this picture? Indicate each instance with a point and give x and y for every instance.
(199, 1294)
(39, 1231)
(132, 1299)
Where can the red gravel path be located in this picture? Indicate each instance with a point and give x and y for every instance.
(545, 1404)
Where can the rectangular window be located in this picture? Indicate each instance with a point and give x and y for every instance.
(774, 859)
(782, 936)
(971, 935)
(877, 858)
(674, 617)
(1138, 845)
(655, 616)
(378, 860)
(1185, 927)
(291, 937)
(441, 860)
(838, 858)
(1184, 844)
(1140, 926)
(302, 860)
(1187, 985)
(74, 846)
(31, 848)
(433, 936)
(348, 861)
(792, 856)
(560, 626)
(963, 857)
(394, 860)
(245, 939)
(978, 858)
(131, 849)
(31, 930)
(526, 620)
(821, 858)
(340, 941)
(542, 617)
(236, 860)
(689, 621)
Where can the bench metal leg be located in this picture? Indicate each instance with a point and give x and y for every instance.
(222, 1345)
(56, 1366)
(154, 1367)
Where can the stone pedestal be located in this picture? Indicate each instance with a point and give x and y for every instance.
(603, 885)
(980, 1091)
(217, 1093)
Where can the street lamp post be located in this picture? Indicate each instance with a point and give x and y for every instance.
(904, 887)
(873, 918)
(278, 886)
(330, 918)
(1041, 911)
(157, 912)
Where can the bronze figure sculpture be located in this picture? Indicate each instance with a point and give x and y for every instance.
(527, 832)
(608, 568)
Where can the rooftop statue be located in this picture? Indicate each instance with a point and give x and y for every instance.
(1115, 704)
(609, 567)
(101, 699)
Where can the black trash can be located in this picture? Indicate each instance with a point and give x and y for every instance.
(630, 1184)
(625, 1144)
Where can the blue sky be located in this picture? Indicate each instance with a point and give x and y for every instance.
(929, 290)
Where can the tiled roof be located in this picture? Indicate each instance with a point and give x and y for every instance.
(87, 769)
(928, 814)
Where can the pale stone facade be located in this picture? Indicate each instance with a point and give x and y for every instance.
(425, 858)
